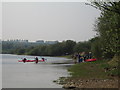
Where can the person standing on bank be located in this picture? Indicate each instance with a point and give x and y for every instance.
(82, 56)
(79, 57)
(89, 55)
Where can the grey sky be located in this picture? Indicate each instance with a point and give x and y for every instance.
(48, 21)
(0, 20)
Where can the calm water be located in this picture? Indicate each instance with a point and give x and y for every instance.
(30, 75)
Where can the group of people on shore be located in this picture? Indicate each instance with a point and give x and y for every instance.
(81, 57)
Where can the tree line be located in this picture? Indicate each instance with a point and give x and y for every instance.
(68, 47)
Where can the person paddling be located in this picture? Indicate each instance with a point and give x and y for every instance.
(36, 58)
(24, 60)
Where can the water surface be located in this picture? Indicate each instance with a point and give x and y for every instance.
(30, 75)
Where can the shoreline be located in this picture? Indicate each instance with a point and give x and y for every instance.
(72, 83)
(77, 80)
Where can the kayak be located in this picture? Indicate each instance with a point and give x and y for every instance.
(31, 60)
(89, 60)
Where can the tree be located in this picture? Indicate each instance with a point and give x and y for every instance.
(82, 47)
(108, 26)
(107, 6)
(96, 48)
(68, 46)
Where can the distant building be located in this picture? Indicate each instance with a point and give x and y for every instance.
(40, 41)
(51, 42)
(18, 40)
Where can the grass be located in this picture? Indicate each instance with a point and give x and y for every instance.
(98, 69)
(66, 56)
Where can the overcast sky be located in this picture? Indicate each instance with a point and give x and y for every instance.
(48, 21)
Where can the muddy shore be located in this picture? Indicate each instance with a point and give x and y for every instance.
(72, 83)
(91, 83)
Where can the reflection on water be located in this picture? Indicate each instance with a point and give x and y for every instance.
(30, 75)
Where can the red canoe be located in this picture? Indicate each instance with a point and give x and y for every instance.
(31, 60)
(89, 60)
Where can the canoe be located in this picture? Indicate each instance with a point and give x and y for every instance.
(90, 60)
(31, 60)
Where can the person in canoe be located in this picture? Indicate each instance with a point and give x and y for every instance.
(36, 58)
(43, 59)
(24, 60)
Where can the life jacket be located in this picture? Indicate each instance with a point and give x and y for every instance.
(43, 59)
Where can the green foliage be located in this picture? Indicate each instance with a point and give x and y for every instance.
(82, 47)
(115, 61)
(68, 46)
(96, 48)
(59, 49)
(107, 6)
(20, 51)
(108, 27)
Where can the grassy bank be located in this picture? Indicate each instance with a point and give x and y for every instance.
(98, 69)
(97, 74)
